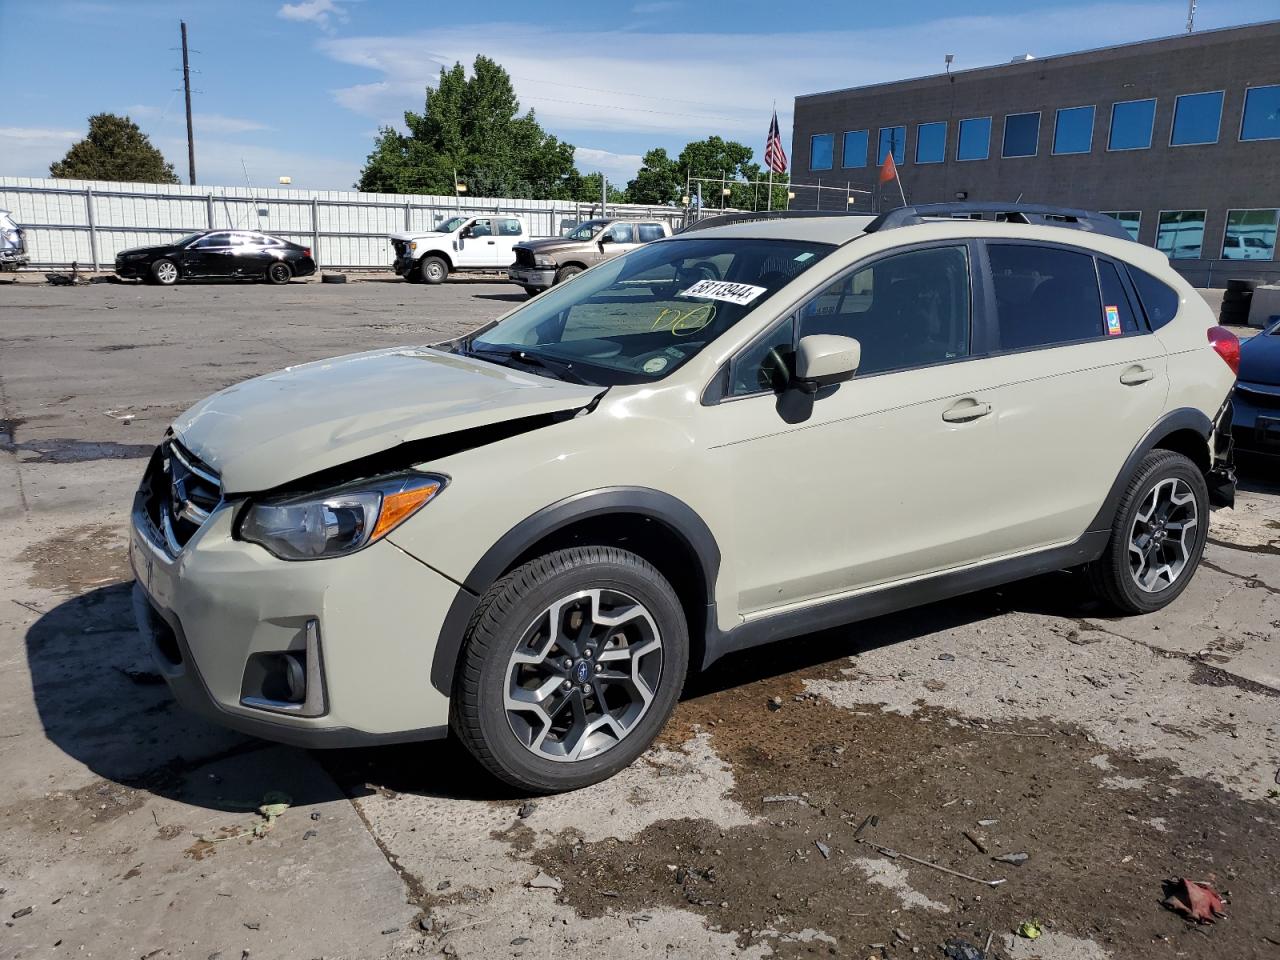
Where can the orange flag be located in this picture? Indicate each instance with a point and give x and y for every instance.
(888, 169)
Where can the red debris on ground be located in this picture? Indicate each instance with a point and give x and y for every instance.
(1194, 900)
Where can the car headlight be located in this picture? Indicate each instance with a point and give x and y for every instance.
(336, 522)
(544, 262)
(413, 245)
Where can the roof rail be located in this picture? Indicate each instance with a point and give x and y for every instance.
(1031, 213)
(752, 216)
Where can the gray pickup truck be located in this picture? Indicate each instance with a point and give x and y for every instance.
(542, 263)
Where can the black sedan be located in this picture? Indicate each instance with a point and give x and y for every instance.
(232, 254)
(1256, 401)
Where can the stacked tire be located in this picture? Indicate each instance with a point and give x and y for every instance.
(1236, 302)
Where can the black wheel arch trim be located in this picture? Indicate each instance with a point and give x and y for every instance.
(673, 513)
(1184, 418)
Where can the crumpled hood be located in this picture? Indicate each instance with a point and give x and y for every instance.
(272, 429)
(1260, 358)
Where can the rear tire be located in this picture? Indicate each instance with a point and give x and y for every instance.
(164, 272)
(564, 273)
(432, 270)
(279, 272)
(559, 658)
(1157, 537)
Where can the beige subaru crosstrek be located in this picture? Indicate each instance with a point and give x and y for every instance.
(740, 434)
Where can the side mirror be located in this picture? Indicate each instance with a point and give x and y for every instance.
(823, 360)
(606, 238)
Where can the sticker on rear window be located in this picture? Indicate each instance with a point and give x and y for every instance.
(739, 293)
(1113, 321)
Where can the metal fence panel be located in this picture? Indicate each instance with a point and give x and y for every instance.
(89, 222)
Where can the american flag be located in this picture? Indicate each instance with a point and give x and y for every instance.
(775, 158)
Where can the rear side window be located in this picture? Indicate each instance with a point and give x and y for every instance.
(1159, 300)
(622, 233)
(649, 232)
(509, 228)
(1044, 296)
(1119, 316)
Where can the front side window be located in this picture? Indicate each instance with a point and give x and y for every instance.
(1196, 117)
(931, 142)
(1250, 235)
(1044, 296)
(907, 310)
(587, 230)
(639, 316)
(892, 140)
(1021, 134)
(1131, 125)
(622, 233)
(1073, 130)
(974, 142)
(856, 143)
(214, 240)
(821, 147)
(481, 228)
(1180, 234)
(1261, 120)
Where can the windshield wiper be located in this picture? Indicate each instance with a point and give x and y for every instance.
(562, 367)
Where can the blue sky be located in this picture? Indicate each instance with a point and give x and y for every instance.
(299, 89)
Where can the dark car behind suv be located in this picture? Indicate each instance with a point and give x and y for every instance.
(230, 254)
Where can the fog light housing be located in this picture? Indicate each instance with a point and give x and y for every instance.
(287, 681)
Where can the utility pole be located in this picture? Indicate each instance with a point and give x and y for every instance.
(604, 194)
(1191, 15)
(186, 86)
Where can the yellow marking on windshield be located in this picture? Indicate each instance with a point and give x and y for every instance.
(682, 323)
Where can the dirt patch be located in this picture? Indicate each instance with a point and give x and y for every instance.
(1097, 856)
(76, 451)
(82, 558)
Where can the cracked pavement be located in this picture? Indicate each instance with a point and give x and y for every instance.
(1114, 752)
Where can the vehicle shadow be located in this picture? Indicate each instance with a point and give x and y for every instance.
(502, 297)
(100, 701)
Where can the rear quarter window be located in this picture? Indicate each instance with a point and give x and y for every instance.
(1159, 300)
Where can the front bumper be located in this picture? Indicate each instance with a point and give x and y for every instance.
(535, 277)
(403, 265)
(1256, 426)
(363, 626)
(133, 269)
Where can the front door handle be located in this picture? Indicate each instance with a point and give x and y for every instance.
(492, 242)
(965, 411)
(1136, 375)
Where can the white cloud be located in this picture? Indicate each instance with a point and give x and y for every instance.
(692, 85)
(320, 12)
(203, 122)
(28, 151)
(617, 167)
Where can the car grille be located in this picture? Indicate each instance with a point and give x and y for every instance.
(524, 257)
(401, 247)
(179, 492)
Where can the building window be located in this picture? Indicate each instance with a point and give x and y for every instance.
(855, 148)
(1261, 120)
(1129, 219)
(1196, 117)
(1250, 235)
(1131, 125)
(821, 146)
(1021, 135)
(1180, 234)
(974, 141)
(892, 138)
(1073, 130)
(931, 142)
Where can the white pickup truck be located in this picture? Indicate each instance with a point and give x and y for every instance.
(458, 244)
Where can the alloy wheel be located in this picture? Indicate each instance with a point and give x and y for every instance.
(583, 675)
(166, 272)
(1163, 535)
(279, 273)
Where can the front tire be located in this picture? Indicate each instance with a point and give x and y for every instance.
(564, 273)
(571, 665)
(279, 272)
(164, 272)
(1157, 537)
(433, 270)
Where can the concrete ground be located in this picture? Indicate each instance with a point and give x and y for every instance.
(1115, 754)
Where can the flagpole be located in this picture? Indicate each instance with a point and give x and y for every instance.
(768, 163)
(898, 177)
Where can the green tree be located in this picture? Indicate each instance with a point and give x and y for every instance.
(471, 126)
(114, 149)
(658, 181)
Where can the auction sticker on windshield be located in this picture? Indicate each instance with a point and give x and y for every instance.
(739, 293)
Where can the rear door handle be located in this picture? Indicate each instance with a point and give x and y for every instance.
(1136, 375)
(966, 410)
(492, 242)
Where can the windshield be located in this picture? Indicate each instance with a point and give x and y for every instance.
(189, 238)
(452, 224)
(585, 231)
(638, 317)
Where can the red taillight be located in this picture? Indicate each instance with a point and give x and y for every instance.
(1227, 345)
(306, 251)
